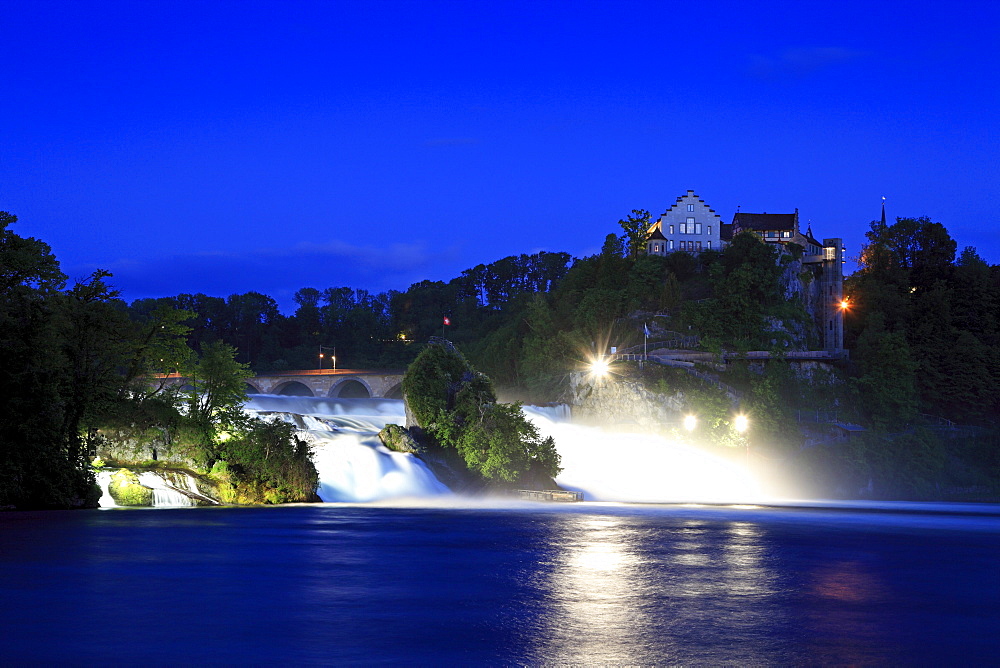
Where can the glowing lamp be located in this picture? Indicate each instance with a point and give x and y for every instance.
(599, 367)
(741, 424)
(690, 422)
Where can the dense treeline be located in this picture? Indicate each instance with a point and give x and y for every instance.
(923, 331)
(925, 326)
(367, 330)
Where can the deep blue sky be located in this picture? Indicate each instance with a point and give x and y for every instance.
(224, 147)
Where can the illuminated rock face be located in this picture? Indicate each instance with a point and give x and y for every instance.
(621, 403)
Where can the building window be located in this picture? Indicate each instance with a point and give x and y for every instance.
(709, 229)
(690, 207)
(670, 243)
(671, 229)
(697, 228)
(697, 245)
(830, 253)
(709, 244)
(787, 234)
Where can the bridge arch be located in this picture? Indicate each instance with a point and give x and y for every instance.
(351, 388)
(395, 392)
(293, 388)
(251, 388)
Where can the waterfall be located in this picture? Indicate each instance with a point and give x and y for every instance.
(644, 468)
(164, 495)
(352, 463)
(354, 466)
(103, 480)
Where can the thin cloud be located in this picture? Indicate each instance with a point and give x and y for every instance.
(451, 141)
(277, 271)
(800, 62)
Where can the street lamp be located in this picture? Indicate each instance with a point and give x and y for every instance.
(332, 357)
(690, 422)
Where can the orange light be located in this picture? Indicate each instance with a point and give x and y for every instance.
(845, 304)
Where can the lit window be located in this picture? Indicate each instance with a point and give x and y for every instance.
(709, 229)
(671, 229)
(690, 207)
(787, 234)
(697, 228)
(709, 245)
(830, 253)
(670, 243)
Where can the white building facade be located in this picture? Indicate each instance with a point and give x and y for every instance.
(689, 225)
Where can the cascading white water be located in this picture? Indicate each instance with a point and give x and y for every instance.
(103, 481)
(164, 496)
(352, 463)
(645, 468)
(354, 466)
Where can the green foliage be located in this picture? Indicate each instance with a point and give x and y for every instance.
(431, 381)
(42, 464)
(636, 228)
(216, 396)
(457, 407)
(501, 444)
(746, 288)
(265, 462)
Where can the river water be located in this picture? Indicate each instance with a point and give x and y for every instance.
(416, 576)
(513, 584)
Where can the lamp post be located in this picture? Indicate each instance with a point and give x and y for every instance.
(333, 357)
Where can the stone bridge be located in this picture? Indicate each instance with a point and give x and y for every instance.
(343, 383)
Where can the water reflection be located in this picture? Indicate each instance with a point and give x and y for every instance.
(595, 612)
(624, 592)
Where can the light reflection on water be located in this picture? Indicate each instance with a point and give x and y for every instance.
(624, 593)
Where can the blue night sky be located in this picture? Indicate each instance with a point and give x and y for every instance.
(223, 147)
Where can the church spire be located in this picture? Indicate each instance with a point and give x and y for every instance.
(883, 211)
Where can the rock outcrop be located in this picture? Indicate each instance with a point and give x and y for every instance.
(126, 489)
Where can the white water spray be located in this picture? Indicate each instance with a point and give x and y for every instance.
(643, 468)
(353, 464)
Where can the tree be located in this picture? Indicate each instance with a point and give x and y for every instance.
(216, 395)
(457, 407)
(887, 382)
(39, 466)
(636, 228)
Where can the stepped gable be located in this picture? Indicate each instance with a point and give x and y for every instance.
(688, 225)
(680, 200)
